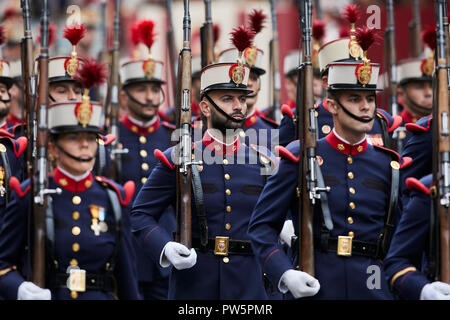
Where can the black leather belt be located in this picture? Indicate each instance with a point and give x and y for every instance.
(358, 248)
(237, 247)
(101, 282)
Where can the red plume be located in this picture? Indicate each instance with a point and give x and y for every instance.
(91, 73)
(366, 37)
(216, 32)
(51, 34)
(351, 13)
(242, 38)
(344, 32)
(134, 34)
(74, 33)
(2, 35)
(318, 29)
(257, 19)
(428, 37)
(145, 29)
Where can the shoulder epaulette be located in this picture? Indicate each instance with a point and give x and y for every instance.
(19, 145)
(162, 157)
(287, 111)
(128, 188)
(14, 128)
(403, 162)
(284, 152)
(109, 138)
(423, 125)
(270, 121)
(414, 184)
(265, 155)
(15, 185)
(5, 134)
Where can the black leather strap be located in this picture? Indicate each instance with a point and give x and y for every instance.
(102, 282)
(200, 207)
(7, 168)
(359, 248)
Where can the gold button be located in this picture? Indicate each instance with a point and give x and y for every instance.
(88, 183)
(352, 190)
(144, 166)
(134, 129)
(326, 129)
(142, 139)
(144, 180)
(76, 200)
(359, 148)
(143, 153)
(350, 160)
(73, 262)
(228, 192)
(341, 146)
(228, 208)
(76, 231)
(351, 234)
(225, 161)
(350, 220)
(352, 205)
(63, 182)
(227, 176)
(75, 247)
(73, 294)
(75, 215)
(151, 129)
(228, 226)
(350, 175)
(226, 259)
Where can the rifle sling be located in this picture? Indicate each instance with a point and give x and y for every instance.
(7, 168)
(200, 207)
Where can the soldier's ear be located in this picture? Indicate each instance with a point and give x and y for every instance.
(325, 82)
(205, 107)
(332, 105)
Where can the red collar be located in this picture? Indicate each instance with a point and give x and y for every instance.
(219, 147)
(407, 117)
(143, 131)
(4, 126)
(13, 120)
(71, 185)
(252, 119)
(344, 147)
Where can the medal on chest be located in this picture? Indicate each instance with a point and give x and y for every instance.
(98, 219)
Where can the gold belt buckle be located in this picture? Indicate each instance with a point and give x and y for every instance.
(221, 246)
(344, 246)
(77, 280)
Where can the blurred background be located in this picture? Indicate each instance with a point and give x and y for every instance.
(227, 14)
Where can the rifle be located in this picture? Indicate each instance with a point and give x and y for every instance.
(39, 179)
(275, 67)
(113, 92)
(390, 52)
(441, 156)
(415, 45)
(171, 46)
(308, 190)
(207, 37)
(29, 79)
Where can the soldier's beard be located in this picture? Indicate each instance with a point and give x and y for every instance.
(4, 110)
(222, 124)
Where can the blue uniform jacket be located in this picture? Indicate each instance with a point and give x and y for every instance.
(325, 124)
(261, 131)
(231, 186)
(404, 261)
(137, 165)
(360, 180)
(75, 241)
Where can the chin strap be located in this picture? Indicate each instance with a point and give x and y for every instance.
(353, 115)
(418, 106)
(143, 105)
(226, 115)
(72, 156)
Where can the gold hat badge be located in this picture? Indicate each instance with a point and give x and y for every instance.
(352, 14)
(429, 38)
(242, 38)
(365, 37)
(146, 35)
(74, 33)
(256, 22)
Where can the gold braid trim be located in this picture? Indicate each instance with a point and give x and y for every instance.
(401, 273)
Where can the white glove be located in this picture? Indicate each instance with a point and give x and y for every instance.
(435, 291)
(287, 232)
(29, 291)
(299, 283)
(178, 255)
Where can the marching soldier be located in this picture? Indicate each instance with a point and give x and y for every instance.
(340, 50)
(404, 264)
(217, 266)
(141, 131)
(89, 238)
(348, 232)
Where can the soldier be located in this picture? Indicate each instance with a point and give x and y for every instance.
(16, 113)
(291, 62)
(347, 233)
(404, 264)
(141, 131)
(89, 239)
(231, 181)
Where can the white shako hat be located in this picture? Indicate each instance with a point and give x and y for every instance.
(415, 69)
(291, 62)
(74, 116)
(149, 70)
(338, 50)
(251, 56)
(5, 76)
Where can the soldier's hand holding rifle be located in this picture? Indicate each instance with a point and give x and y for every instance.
(299, 283)
(178, 255)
